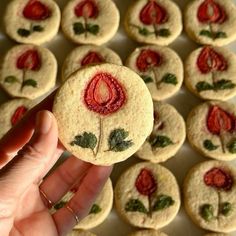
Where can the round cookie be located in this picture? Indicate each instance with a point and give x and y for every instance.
(147, 196)
(147, 233)
(161, 69)
(167, 137)
(209, 196)
(211, 22)
(104, 120)
(90, 21)
(210, 73)
(153, 22)
(80, 233)
(32, 21)
(87, 55)
(99, 211)
(28, 71)
(211, 130)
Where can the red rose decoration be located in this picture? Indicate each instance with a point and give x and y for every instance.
(87, 9)
(29, 60)
(18, 114)
(91, 58)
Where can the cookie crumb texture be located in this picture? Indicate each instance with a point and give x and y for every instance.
(32, 21)
(147, 196)
(148, 233)
(209, 196)
(90, 21)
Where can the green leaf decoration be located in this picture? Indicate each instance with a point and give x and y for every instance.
(232, 147)
(23, 32)
(147, 79)
(117, 142)
(224, 84)
(164, 33)
(30, 82)
(135, 205)
(78, 28)
(169, 79)
(209, 145)
(220, 34)
(203, 86)
(93, 29)
(144, 31)
(160, 141)
(226, 208)
(206, 33)
(163, 202)
(95, 209)
(11, 79)
(207, 212)
(38, 28)
(59, 205)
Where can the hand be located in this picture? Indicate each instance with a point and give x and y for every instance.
(24, 207)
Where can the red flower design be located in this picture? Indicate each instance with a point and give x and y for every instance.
(87, 9)
(145, 183)
(211, 12)
(209, 60)
(18, 114)
(35, 10)
(147, 59)
(219, 179)
(153, 13)
(29, 60)
(104, 94)
(91, 58)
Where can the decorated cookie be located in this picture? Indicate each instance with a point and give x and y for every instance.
(147, 233)
(147, 196)
(160, 68)
(28, 71)
(167, 136)
(210, 73)
(211, 22)
(153, 21)
(211, 129)
(90, 21)
(107, 116)
(88, 55)
(80, 233)
(32, 21)
(209, 196)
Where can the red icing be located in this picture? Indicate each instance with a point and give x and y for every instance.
(87, 9)
(18, 114)
(29, 60)
(92, 57)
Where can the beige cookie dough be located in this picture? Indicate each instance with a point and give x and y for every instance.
(153, 22)
(209, 196)
(211, 22)
(147, 233)
(87, 55)
(32, 21)
(161, 69)
(167, 137)
(210, 73)
(104, 120)
(28, 71)
(147, 196)
(211, 130)
(80, 233)
(90, 21)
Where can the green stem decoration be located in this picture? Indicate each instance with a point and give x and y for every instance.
(100, 136)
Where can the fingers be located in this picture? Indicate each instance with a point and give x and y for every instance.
(82, 201)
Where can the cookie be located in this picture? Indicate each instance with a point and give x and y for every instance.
(87, 55)
(209, 196)
(104, 120)
(32, 21)
(90, 21)
(80, 233)
(211, 22)
(153, 22)
(147, 196)
(147, 233)
(28, 71)
(211, 130)
(167, 136)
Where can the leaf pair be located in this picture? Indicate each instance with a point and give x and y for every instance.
(212, 147)
(162, 32)
(29, 82)
(167, 79)
(219, 85)
(79, 28)
(213, 35)
(26, 33)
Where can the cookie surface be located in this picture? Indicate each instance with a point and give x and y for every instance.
(80, 233)
(32, 21)
(87, 55)
(211, 22)
(167, 137)
(210, 73)
(105, 120)
(90, 21)
(147, 233)
(28, 71)
(209, 196)
(161, 69)
(153, 22)
(211, 129)
(147, 196)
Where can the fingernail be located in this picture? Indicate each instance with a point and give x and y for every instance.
(43, 122)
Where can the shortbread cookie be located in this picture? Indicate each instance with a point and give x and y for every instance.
(80, 233)
(87, 55)
(210, 73)
(210, 196)
(147, 233)
(90, 21)
(211, 129)
(153, 22)
(167, 136)
(107, 116)
(32, 21)
(161, 69)
(211, 22)
(147, 196)
(28, 71)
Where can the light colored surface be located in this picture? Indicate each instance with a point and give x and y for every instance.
(147, 233)
(184, 101)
